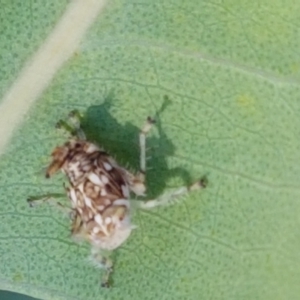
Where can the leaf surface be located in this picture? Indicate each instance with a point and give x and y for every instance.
(223, 80)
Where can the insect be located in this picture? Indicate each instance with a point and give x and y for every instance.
(99, 192)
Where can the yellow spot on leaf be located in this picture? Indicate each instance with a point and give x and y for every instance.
(247, 104)
(18, 277)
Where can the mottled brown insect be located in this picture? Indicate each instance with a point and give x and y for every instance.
(99, 192)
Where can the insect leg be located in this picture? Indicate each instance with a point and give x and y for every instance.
(142, 137)
(75, 118)
(170, 197)
(103, 262)
(48, 198)
(73, 128)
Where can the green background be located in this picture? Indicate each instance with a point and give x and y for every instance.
(230, 73)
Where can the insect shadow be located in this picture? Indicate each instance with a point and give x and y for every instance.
(122, 142)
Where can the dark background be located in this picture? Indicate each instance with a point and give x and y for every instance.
(5, 295)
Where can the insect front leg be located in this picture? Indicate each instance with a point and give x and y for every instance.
(73, 128)
(171, 197)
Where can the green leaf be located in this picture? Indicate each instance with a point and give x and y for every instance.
(230, 72)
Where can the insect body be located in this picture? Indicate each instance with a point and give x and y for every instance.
(99, 192)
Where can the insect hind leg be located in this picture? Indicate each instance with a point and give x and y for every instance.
(102, 261)
(171, 197)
